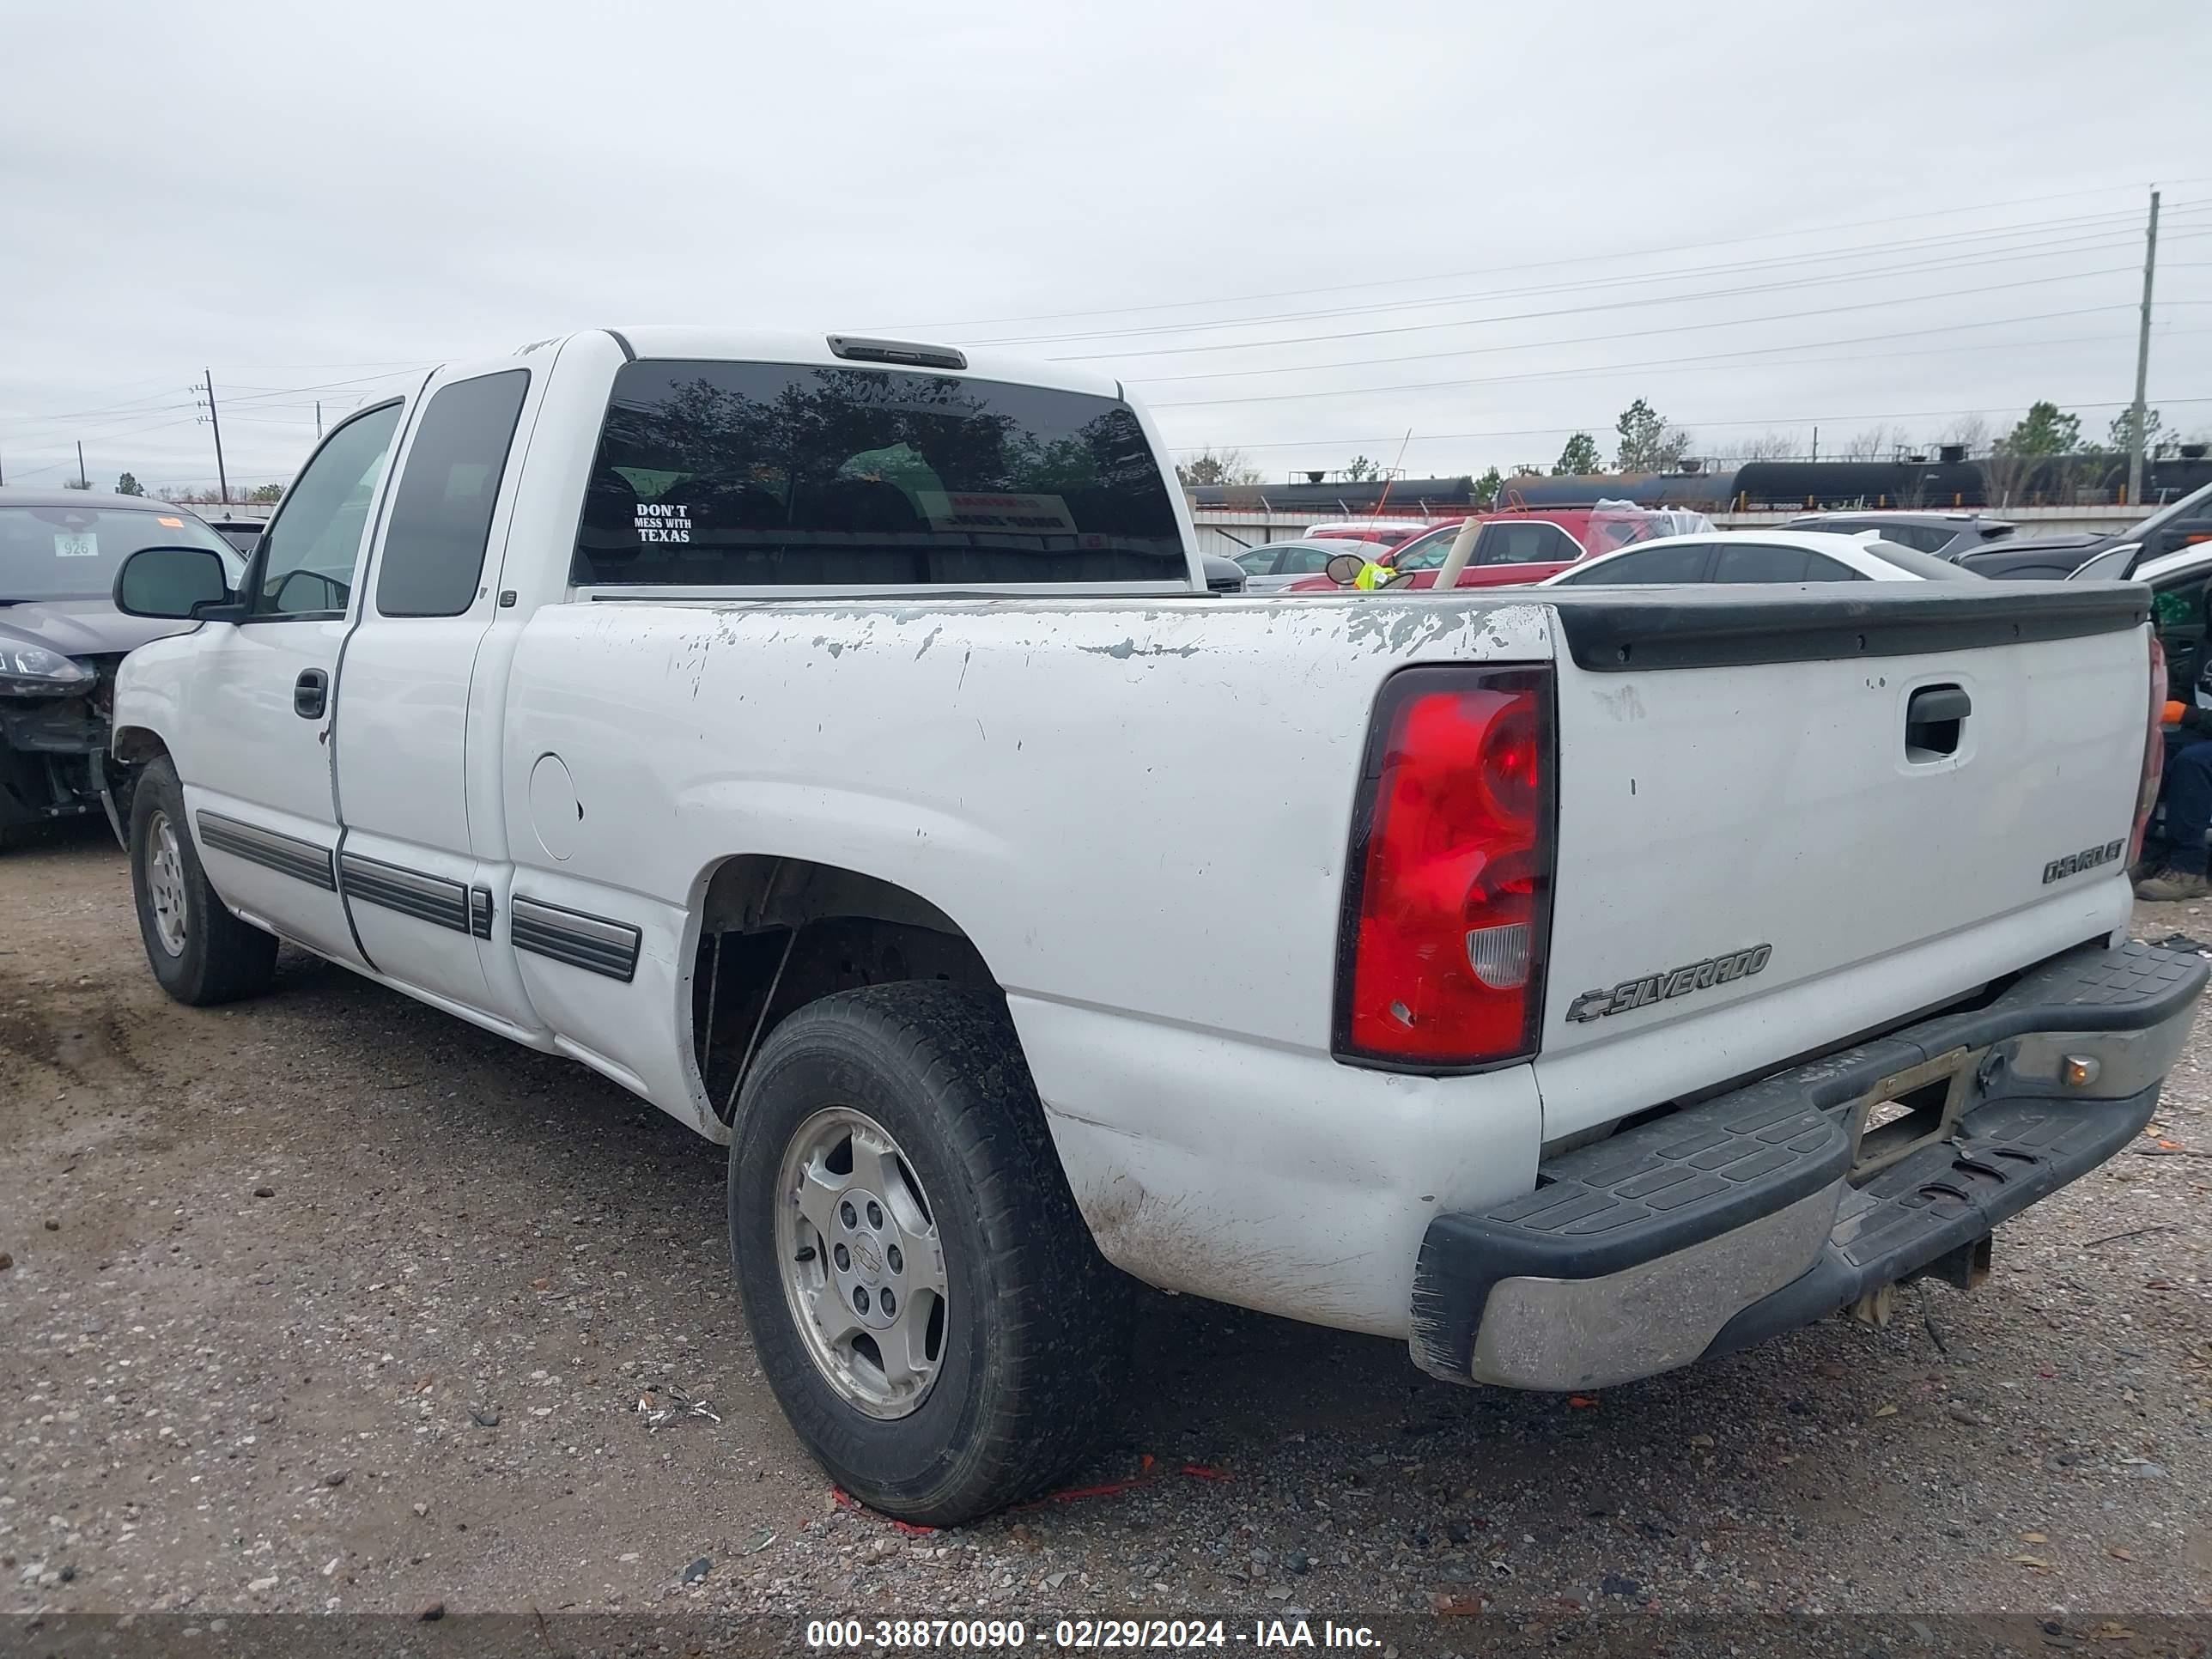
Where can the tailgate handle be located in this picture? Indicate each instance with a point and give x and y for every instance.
(1934, 717)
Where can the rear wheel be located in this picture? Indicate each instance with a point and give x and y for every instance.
(199, 951)
(923, 1295)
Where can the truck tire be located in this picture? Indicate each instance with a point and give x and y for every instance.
(924, 1296)
(200, 952)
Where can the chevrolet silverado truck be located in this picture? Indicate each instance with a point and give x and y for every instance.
(823, 738)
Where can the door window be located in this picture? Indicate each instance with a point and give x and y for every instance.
(1685, 564)
(441, 509)
(1762, 562)
(305, 562)
(1531, 542)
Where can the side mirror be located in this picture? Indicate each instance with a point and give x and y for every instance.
(172, 583)
(1344, 568)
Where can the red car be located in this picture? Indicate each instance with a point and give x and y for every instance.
(1513, 548)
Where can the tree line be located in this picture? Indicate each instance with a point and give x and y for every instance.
(1645, 441)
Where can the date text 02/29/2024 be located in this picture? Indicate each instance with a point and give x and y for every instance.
(1083, 1634)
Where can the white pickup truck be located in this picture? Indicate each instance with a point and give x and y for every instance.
(833, 741)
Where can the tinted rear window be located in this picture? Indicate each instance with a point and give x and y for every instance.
(712, 474)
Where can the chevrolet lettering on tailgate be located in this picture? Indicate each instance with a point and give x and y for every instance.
(2088, 859)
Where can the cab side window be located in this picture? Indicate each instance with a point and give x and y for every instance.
(448, 490)
(305, 564)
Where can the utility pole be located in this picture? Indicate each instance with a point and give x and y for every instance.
(2142, 361)
(221, 477)
(83, 483)
(319, 420)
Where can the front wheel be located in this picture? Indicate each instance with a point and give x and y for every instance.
(924, 1296)
(199, 950)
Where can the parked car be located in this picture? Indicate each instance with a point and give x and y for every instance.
(1519, 547)
(1945, 535)
(2179, 527)
(61, 638)
(1760, 556)
(240, 533)
(2178, 524)
(1274, 566)
(1566, 1014)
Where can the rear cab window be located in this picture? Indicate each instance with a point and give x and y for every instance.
(718, 474)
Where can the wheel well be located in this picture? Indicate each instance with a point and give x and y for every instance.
(777, 933)
(137, 744)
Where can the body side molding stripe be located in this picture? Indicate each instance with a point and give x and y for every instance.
(576, 936)
(427, 898)
(288, 856)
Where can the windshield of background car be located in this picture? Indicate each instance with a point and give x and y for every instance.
(74, 552)
(1425, 552)
(726, 474)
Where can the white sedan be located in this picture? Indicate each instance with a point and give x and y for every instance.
(1759, 555)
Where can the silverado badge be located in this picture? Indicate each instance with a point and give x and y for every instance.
(1675, 981)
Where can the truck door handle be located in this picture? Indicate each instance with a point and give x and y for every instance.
(311, 693)
(1935, 717)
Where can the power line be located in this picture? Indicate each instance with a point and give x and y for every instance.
(1599, 339)
(1581, 310)
(1884, 221)
(1676, 328)
(2104, 236)
(1703, 363)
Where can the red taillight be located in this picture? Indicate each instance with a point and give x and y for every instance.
(2153, 763)
(1441, 962)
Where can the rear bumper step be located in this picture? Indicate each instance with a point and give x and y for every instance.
(1770, 1206)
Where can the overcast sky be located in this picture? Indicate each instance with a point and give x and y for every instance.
(1893, 213)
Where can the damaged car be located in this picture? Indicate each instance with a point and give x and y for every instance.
(62, 639)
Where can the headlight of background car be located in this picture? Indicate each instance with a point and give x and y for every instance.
(31, 671)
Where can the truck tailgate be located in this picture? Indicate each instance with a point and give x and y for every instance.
(1757, 858)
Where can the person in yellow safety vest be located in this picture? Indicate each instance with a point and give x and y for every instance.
(1373, 576)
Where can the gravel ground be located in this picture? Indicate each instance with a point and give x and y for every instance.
(330, 1302)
